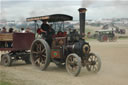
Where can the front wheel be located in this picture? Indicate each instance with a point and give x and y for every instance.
(94, 63)
(73, 64)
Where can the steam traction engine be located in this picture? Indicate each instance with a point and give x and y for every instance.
(70, 49)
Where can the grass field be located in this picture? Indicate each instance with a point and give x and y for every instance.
(3, 79)
(5, 83)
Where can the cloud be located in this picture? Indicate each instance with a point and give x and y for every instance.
(106, 8)
(14, 9)
(37, 8)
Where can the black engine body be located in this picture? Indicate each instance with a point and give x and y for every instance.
(77, 45)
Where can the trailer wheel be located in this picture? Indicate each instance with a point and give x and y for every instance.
(6, 60)
(40, 54)
(27, 61)
(94, 63)
(73, 64)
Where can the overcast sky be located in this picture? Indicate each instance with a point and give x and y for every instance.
(97, 9)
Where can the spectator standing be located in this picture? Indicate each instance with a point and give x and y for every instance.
(10, 42)
(28, 30)
(22, 30)
(10, 30)
(3, 43)
(4, 30)
(0, 32)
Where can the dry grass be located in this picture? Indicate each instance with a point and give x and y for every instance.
(3, 79)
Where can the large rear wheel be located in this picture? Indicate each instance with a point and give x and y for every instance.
(73, 64)
(40, 54)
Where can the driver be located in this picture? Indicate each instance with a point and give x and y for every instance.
(47, 32)
(45, 26)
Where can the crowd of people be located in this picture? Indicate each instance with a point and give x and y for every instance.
(11, 30)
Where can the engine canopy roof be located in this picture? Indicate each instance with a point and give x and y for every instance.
(51, 18)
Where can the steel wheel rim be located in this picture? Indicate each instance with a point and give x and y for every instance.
(94, 63)
(72, 64)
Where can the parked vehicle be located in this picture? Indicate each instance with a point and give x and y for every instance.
(105, 35)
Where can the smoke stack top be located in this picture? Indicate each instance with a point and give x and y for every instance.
(82, 10)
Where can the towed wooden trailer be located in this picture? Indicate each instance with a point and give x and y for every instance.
(17, 45)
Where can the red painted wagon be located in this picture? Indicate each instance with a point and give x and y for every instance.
(17, 45)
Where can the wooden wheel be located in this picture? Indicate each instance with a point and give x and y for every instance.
(40, 54)
(73, 64)
(94, 63)
(6, 60)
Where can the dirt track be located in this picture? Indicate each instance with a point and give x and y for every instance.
(114, 70)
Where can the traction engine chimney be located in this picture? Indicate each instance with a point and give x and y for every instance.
(82, 16)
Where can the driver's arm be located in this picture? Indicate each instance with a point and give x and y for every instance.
(42, 30)
(39, 31)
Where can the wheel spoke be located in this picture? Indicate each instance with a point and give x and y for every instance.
(96, 67)
(37, 61)
(35, 57)
(34, 52)
(93, 58)
(91, 67)
(89, 59)
(43, 55)
(36, 44)
(40, 47)
(42, 60)
(43, 50)
(69, 62)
